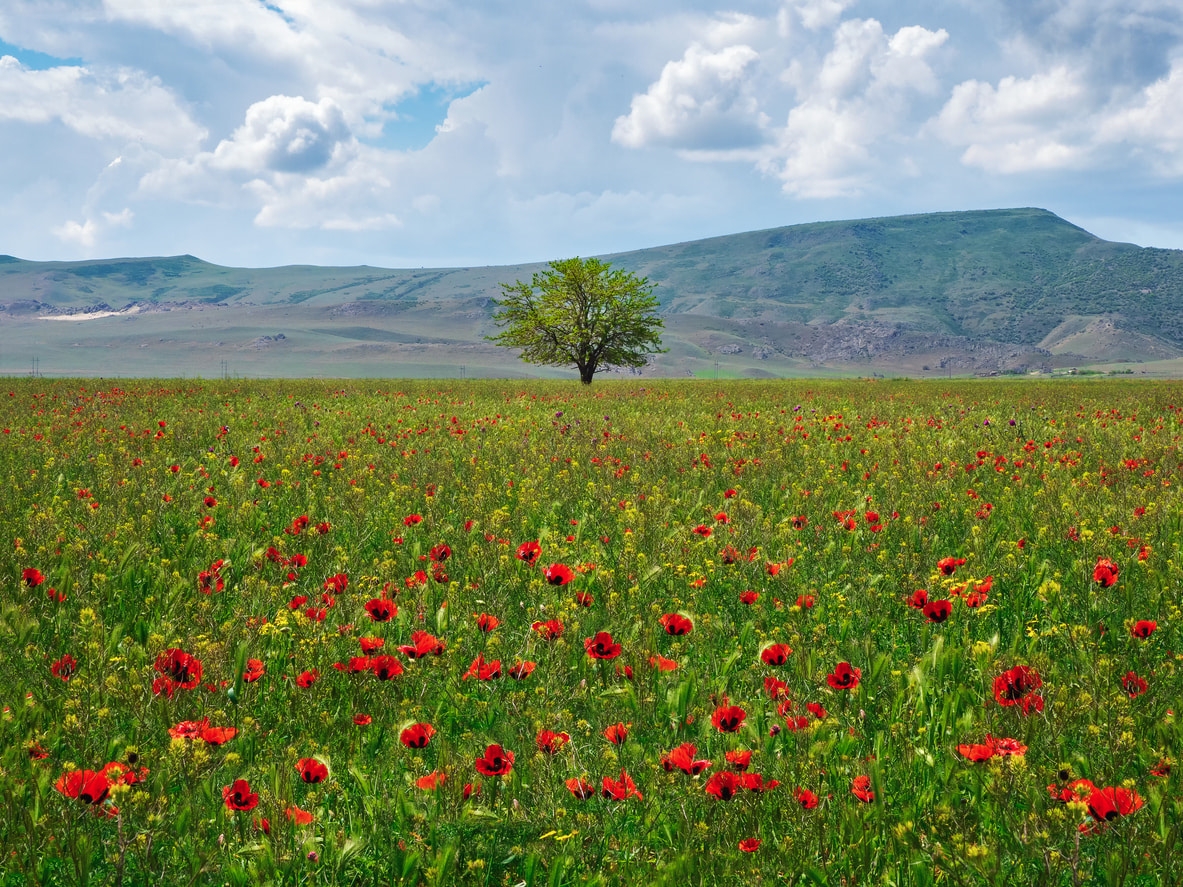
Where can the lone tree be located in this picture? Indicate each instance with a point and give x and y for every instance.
(581, 312)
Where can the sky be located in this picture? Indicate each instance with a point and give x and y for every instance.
(408, 133)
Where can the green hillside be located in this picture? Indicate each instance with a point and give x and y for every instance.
(983, 291)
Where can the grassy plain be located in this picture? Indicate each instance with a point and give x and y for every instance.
(228, 608)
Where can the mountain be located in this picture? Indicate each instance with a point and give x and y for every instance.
(982, 291)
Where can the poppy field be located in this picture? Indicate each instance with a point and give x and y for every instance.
(509, 633)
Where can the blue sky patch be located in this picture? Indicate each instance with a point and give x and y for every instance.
(36, 61)
(419, 115)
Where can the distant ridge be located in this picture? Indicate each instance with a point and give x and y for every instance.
(977, 291)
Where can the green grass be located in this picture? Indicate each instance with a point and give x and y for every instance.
(662, 498)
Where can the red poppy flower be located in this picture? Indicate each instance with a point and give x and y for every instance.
(519, 671)
(739, 760)
(65, 667)
(860, 787)
(584, 599)
(371, 645)
(411, 519)
(356, 665)
(311, 770)
(580, 788)
(1004, 746)
(32, 577)
(844, 676)
(417, 735)
(180, 667)
(188, 729)
(816, 709)
(440, 553)
(728, 718)
(702, 530)
(948, 565)
(239, 796)
(755, 782)
(253, 671)
(748, 597)
(421, 645)
(381, 610)
(1107, 804)
(938, 611)
(87, 786)
(676, 624)
(210, 581)
(529, 552)
(917, 599)
(620, 789)
(551, 743)
(1013, 684)
(362, 719)
(1076, 790)
(662, 664)
(775, 688)
(1143, 628)
(495, 762)
(1133, 685)
(548, 630)
(749, 845)
(724, 785)
(805, 798)
(601, 646)
(431, 781)
(218, 735)
(482, 670)
(683, 759)
(385, 667)
(486, 622)
(298, 816)
(1031, 702)
(775, 654)
(307, 678)
(616, 733)
(976, 752)
(1105, 573)
(37, 752)
(558, 574)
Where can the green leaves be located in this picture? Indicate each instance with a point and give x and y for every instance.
(581, 312)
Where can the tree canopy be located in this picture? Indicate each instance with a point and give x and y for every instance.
(580, 312)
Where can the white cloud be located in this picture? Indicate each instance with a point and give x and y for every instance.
(1054, 120)
(699, 102)
(114, 106)
(286, 134)
(86, 234)
(859, 97)
(1152, 126)
(296, 161)
(1020, 125)
(817, 14)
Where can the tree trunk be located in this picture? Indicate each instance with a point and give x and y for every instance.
(586, 371)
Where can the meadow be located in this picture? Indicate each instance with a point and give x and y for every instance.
(530, 633)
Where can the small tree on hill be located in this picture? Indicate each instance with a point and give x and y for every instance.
(581, 312)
